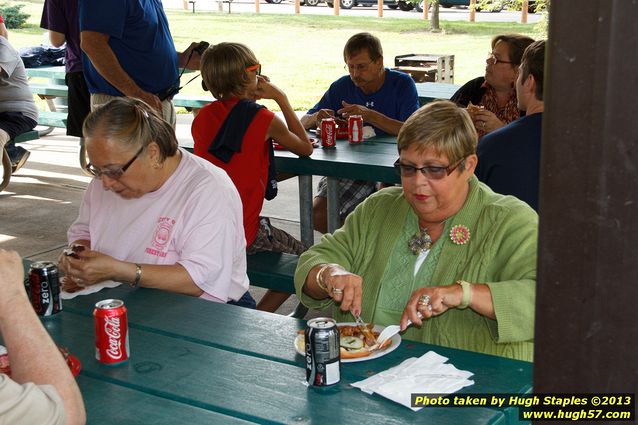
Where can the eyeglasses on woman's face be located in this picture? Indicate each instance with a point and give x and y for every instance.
(493, 60)
(430, 172)
(256, 68)
(113, 172)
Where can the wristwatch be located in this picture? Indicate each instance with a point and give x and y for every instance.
(467, 294)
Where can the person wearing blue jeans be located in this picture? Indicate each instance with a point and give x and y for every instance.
(18, 112)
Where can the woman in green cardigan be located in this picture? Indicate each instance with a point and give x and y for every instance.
(442, 250)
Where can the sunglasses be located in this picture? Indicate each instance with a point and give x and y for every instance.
(256, 68)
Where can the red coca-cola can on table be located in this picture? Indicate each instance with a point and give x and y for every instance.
(355, 129)
(111, 332)
(328, 132)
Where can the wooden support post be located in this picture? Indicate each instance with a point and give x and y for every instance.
(586, 335)
(472, 10)
(256, 6)
(380, 8)
(524, 9)
(297, 7)
(426, 11)
(337, 6)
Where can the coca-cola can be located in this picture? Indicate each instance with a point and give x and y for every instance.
(323, 355)
(328, 132)
(355, 129)
(44, 288)
(111, 332)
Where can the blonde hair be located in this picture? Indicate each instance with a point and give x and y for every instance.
(443, 126)
(223, 68)
(133, 123)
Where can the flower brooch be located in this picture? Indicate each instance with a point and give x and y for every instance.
(460, 234)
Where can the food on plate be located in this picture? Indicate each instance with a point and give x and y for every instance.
(354, 344)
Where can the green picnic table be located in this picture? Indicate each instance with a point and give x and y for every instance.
(198, 362)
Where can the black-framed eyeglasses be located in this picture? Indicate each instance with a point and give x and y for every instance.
(112, 172)
(493, 60)
(256, 68)
(431, 172)
(360, 67)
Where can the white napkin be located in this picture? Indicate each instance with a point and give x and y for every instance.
(428, 374)
(90, 289)
(368, 132)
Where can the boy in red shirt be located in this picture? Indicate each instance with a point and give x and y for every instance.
(236, 134)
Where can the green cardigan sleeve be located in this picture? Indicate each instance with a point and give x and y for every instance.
(362, 246)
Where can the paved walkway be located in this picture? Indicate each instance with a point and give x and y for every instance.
(44, 197)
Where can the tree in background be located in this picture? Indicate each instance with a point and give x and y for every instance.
(13, 17)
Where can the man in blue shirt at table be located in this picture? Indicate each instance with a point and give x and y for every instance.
(383, 97)
(509, 158)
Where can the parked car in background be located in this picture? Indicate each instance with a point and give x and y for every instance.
(488, 6)
(349, 4)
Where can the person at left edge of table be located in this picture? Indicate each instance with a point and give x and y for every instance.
(130, 52)
(60, 17)
(443, 245)
(18, 113)
(383, 97)
(41, 389)
(147, 218)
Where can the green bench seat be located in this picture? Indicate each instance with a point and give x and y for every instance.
(273, 270)
(276, 271)
(52, 119)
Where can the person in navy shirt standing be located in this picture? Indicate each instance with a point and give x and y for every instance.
(509, 158)
(383, 97)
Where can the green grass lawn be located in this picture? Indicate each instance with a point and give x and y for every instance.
(302, 54)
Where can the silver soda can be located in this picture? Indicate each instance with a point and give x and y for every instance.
(323, 359)
(44, 288)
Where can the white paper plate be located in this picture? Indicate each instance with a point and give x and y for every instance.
(396, 341)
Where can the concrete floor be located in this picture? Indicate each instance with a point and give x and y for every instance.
(44, 196)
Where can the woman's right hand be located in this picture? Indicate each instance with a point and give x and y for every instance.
(344, 288)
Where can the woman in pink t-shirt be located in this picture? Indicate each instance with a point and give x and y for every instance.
(148, 219)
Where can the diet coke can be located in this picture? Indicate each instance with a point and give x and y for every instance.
(328, 132)
(111, 332)
(44, 288)
(323, 365)
(355, 129)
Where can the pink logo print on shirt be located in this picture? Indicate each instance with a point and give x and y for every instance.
(161, 237)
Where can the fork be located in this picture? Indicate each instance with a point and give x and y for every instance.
(362, 326)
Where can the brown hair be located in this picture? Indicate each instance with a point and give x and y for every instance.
(223, 68)
(133, 123)
(443, 126)
(363, 41)
(517, 44)
(533, 63)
